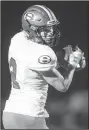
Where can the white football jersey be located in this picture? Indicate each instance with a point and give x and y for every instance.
(29, 89)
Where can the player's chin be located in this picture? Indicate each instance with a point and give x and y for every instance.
(49, 41)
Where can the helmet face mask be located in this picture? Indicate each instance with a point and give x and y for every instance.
(48, 33)
(39, 21)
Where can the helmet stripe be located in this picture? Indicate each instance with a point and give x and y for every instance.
(46, 10)
(52, 14)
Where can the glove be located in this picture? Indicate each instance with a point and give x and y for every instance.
(82, 63)
(77, 59)
(73, 57)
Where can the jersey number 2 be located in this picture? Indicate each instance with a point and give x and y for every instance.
(13, 70)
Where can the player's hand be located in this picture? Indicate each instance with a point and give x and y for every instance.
(77, 59)
(71, 57)
(74, 60)
(82, 63)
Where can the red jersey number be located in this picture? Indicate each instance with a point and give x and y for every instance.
(13, 70)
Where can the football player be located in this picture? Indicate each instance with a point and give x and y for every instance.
(33, 65)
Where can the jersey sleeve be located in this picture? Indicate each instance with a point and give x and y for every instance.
(43, 60)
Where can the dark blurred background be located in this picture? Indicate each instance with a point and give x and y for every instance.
(67, 110)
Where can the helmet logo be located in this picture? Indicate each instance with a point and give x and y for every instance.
(45, 59)
(28, 16)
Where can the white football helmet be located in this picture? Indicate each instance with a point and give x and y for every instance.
(41, 25)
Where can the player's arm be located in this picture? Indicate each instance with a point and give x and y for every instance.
(55, 79)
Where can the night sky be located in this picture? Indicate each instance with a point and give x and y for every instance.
(73, 27)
